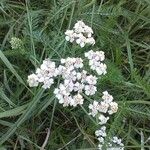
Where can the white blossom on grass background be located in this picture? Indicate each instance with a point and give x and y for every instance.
(76, 81)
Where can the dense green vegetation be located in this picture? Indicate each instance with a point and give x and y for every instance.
(122, 31)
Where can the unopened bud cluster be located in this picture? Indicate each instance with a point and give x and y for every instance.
(16, 43)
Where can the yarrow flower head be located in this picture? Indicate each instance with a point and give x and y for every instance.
(114, 143)
(81, 34)
(107, 106)
(33, 80)
(95, 61)
(75, 82)
(103, 109)
(107, 97)
(44, 74)
(94, 108)
(74, 79)
(16, 43)
(103, 119)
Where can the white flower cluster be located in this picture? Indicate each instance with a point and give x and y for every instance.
(101, 134)
(81, 34)
(113, 144)
(95, 61)
(16, 43)
(45, 74)
(108, 107)
(116, 144)
(75, 81)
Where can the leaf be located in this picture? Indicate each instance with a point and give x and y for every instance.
(13, 112)
(4, 97)
(24, 116)
(9, 65)
(143, 84)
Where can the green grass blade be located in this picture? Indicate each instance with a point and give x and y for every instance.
(130, 56)
(24, 116)
(9, 65)
(4, 97)
(13, 112)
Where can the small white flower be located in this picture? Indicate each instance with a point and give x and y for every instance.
(117, 141)
(78, 63)
(63, 90)
(70, 75)
(94, 108)
(79, 27)
(88, 30)
(103, 107)
(81, 40)
(95, 56)
(107, 97)
(100, 147)
(95, 59)
(63, 61)
(89, 54)
(66, 100)
(79, 75)
(78, 99)
(101, 55)
(103, 119)
(61, 69)
(101, 140)
(101, 69)
(33, 80)
(113, 108)
(82, 44)
(47, 83)
(40, 74)
(90, 89)
(78, 87)
(69, 35)
(93, 64)
(69, 85)
(90, 40)
(83, 76)
(91, 79)
(101, 132)
(58, 94)
(103, 128)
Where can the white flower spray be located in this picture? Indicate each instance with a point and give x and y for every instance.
(75, 81)
(81, 34)
(102, 110)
